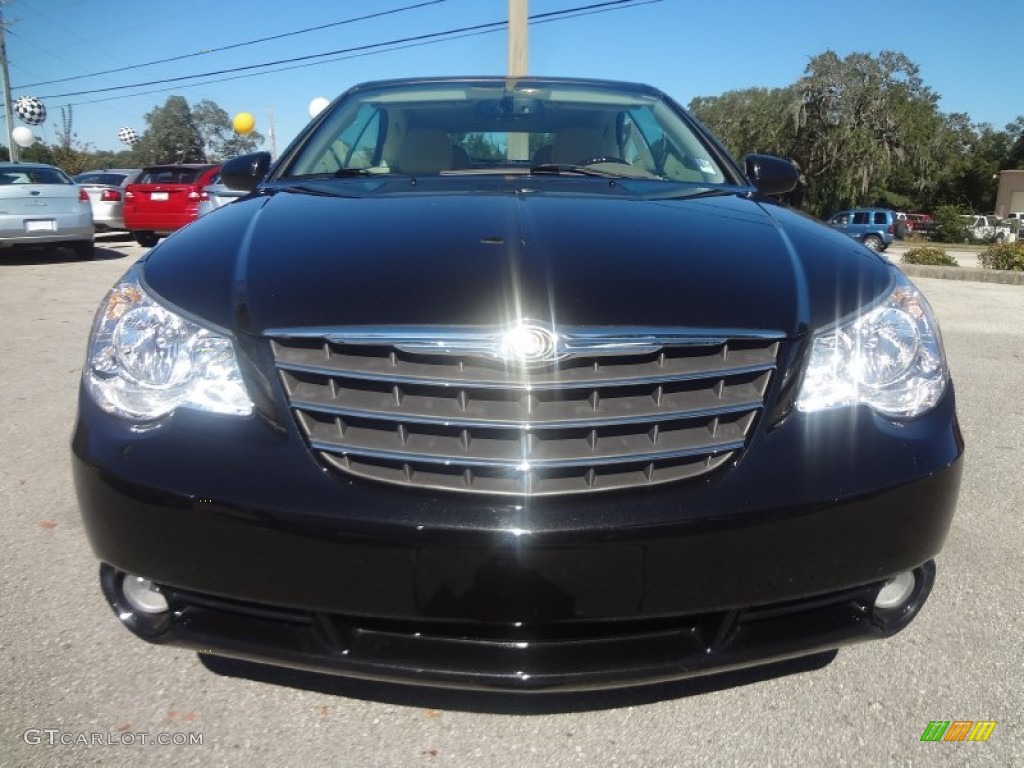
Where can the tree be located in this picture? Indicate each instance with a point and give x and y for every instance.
(972, 155)
(66, 133)
(38, 153)
(218, 134)
(172, 135)
(863, 129)
(1015, 157)
(751, 120)
(858, 122)
(949, 225)
(478, 146)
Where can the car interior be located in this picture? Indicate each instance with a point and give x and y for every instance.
(484, 136)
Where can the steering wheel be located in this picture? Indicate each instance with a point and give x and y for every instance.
(603, 159)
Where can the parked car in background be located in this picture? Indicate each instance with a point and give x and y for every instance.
(921, 223)
(1015, 220)
(165, 198)
(434, 410)
(40, 205)
(875, 227)
(106, 190)
(986, 228)
(217, 194)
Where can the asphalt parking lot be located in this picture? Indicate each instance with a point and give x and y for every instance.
(69, 668)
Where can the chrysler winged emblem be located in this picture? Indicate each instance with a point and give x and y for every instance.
(528, 343)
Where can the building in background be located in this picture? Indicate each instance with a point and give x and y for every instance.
(1010, 197)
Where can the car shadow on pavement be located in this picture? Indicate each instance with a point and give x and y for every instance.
(58, 255)
(498, 702)
(107, 254)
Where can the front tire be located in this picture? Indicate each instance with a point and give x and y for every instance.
(873, 242)
(145, 238)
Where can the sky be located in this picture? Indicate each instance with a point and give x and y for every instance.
(970, 54)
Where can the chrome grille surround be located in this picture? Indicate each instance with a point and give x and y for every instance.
(449, 408)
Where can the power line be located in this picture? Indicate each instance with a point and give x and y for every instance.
(233, 46)
(638, 3)
(491, 26)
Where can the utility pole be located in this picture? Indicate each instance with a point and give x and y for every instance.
(8, 111)
(517, 38)
(518, 143)
(270, 133)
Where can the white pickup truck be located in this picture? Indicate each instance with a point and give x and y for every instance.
(982, 227)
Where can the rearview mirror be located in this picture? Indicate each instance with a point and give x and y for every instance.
(770, 174)
(246, 172)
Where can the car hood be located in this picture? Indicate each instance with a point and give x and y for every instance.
(718, 261)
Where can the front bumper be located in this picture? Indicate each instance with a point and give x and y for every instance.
(265, 555)
(463, 655)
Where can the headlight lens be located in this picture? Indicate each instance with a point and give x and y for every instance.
(889, 358)
(145, 360)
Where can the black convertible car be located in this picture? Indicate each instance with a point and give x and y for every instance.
(514, 383)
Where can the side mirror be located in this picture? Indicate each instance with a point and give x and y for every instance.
(246, 172)
(771, 175)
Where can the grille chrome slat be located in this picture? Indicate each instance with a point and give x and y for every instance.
(522, 383)
(567, 447)
(616, 413)
(523, 466)
(445, 421)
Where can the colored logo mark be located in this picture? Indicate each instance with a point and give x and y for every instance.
(958, 730)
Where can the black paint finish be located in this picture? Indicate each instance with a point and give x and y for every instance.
(267, 555)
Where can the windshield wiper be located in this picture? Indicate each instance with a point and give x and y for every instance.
(586, 170)
(697, 192)
(558, 168)
(343, 172)
(338, 174)
(308, 189)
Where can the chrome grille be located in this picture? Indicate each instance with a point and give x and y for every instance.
(608, 416)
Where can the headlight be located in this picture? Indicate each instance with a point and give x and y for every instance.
(145, 360)
(889, 358)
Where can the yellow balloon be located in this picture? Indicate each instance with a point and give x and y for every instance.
(243, 123)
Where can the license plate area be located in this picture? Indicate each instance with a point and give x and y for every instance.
(40, 225)
(157, 196)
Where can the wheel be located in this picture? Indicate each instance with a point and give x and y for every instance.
(84, 250)
(874, 242)
(145, 238)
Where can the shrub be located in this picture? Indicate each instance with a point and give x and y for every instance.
(1004, 256)
(949, 227)
(936, 257)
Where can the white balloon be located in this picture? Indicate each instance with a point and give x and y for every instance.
(316, 106)
(23, 136)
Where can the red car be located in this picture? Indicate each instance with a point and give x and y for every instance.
(922, 223)
(165, 198)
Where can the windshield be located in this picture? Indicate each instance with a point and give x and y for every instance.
(473, 127)
(170, 175)
(30, 175)
(110, 179)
